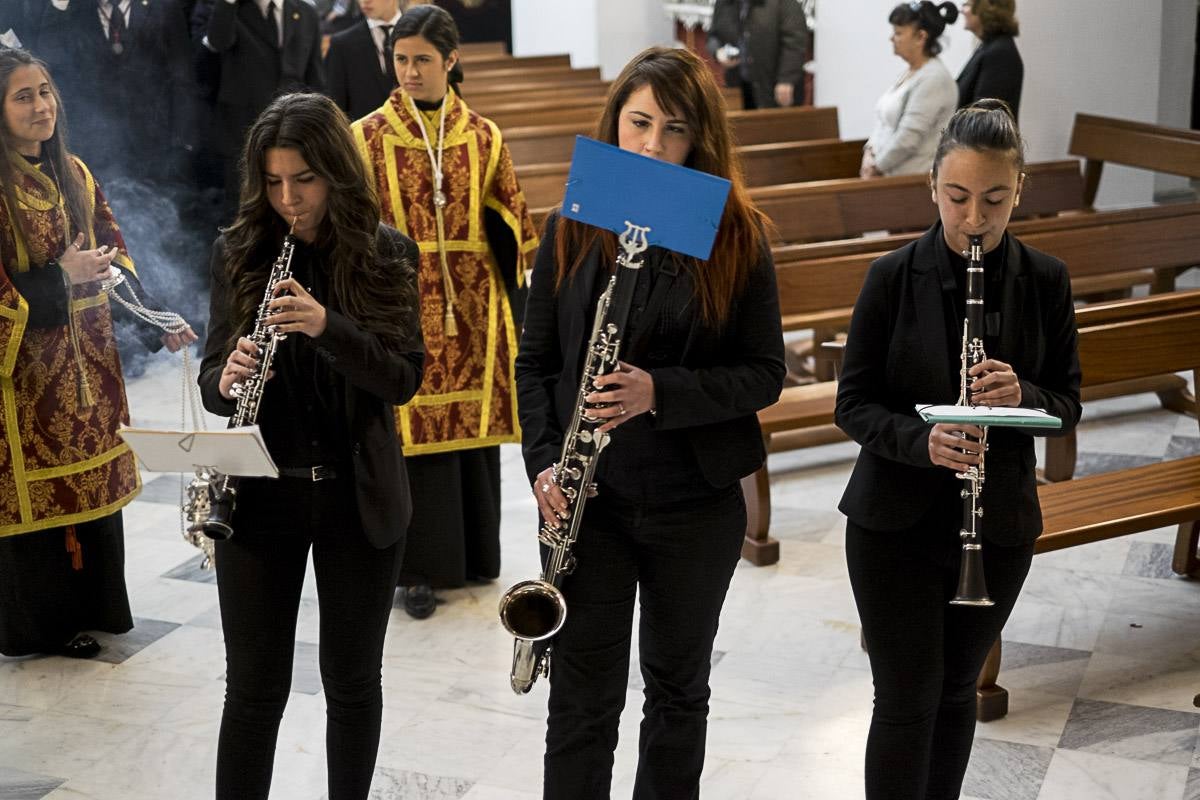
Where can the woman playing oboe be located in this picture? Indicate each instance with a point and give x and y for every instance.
(903, 503)
(703, 351)
(353, 350)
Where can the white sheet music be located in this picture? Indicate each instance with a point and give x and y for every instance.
(234, 451)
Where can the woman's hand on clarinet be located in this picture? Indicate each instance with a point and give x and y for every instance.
(240, 364)
(174, 341)
(995, 384)
(297, 312)
(948, 448)
(85, 266)
(626, 393)
(551, 502)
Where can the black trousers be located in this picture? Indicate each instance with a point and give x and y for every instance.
(925, 654)
(681, 556)
(260, 572)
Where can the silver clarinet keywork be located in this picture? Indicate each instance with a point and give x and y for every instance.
(972, 588)
(212, 495)
(534, 611)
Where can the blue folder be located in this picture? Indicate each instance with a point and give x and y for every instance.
(608, 187)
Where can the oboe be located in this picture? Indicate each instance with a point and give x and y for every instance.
(972, 588)
(533, 611)
(212, 495)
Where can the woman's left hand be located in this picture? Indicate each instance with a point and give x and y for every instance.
(174, 341)
(995, 384)
(297, 312)
(628, 392)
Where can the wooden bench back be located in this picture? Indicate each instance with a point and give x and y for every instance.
(1140, 346)
(1175, 151)
(821, 291)
(764, 164)
(482, 64)
(537, 143)
(523, 79)
(471, 49)
(850, 207)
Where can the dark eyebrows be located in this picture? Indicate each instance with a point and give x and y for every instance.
(298, 175)
(998, 188)
(673, 120)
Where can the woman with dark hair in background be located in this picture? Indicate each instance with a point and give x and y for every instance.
(446, 179)
(910, 115)
(353, 351)
(995, 69)
(903, 504)
(703, 352)
(64, 472)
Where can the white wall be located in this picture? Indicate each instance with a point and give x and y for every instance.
(1109, 57)
(603, 33)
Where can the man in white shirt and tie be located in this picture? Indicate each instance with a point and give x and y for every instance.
(359, 64)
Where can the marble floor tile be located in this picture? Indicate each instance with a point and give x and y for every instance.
(1099, 463)
(1135, 732)
(1192, 792)
(119, 648)
(484, 791)
(1149, 560)
(1156, 683)
(1006, 770)
(162, 489)
(1050, 670)
(1075, 775)
(18, 785)
(191, 570)
(395, 784)
(1184, 446)
(1034, 718)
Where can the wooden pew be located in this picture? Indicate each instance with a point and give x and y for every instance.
(536, 144)
(518, 80)
(480, 64)
(581, 111)
(1098, 507)
(473, 49)
(1175, 151)
(764, 164)
(820, 293)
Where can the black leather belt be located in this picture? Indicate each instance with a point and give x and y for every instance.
(318, 473)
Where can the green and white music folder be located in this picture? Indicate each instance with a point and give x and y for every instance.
(990, 416)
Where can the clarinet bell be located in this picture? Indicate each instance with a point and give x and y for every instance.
(972, 587)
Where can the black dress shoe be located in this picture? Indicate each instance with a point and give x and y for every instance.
(82, 646)
(419, 601)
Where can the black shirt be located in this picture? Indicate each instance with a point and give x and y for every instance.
(301, 417)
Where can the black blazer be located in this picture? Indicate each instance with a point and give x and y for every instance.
(374, 380)
(897, 356)
(141, 104)
(995, 69)
(354, 78)
(723, 377)
(254, 70)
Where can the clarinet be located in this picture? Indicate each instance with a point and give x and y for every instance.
(534, 611)
(212, 495)
(972, 588)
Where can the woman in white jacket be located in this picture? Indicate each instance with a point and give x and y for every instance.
(910, 115)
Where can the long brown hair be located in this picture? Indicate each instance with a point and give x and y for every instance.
(374, 288)
(684, 87)
(54, 151)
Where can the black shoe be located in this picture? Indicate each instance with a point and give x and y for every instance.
(419, 601)
(82, 646)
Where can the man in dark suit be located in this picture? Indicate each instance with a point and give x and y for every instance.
(135, 86)
(44, 29)
(267, 48)
(770, 38)
(358, 65)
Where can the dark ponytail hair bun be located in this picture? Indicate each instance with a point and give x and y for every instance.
(987, 125)
(928, 17)
(436, 26)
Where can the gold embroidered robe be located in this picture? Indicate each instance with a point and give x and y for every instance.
(61, 462)
(468, 395)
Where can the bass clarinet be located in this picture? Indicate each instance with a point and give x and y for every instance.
(534, 611)
(212, 495)
(972, 588)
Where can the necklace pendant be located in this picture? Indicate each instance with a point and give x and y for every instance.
(439, 198)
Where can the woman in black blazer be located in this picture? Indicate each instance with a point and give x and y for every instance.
(903, 505)
(995, 68)
(353, 351)
(703, 352)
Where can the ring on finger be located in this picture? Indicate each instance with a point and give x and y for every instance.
(545, 487)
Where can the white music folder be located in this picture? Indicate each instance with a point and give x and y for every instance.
(233, 451)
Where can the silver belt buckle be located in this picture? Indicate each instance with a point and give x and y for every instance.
(322, 473)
